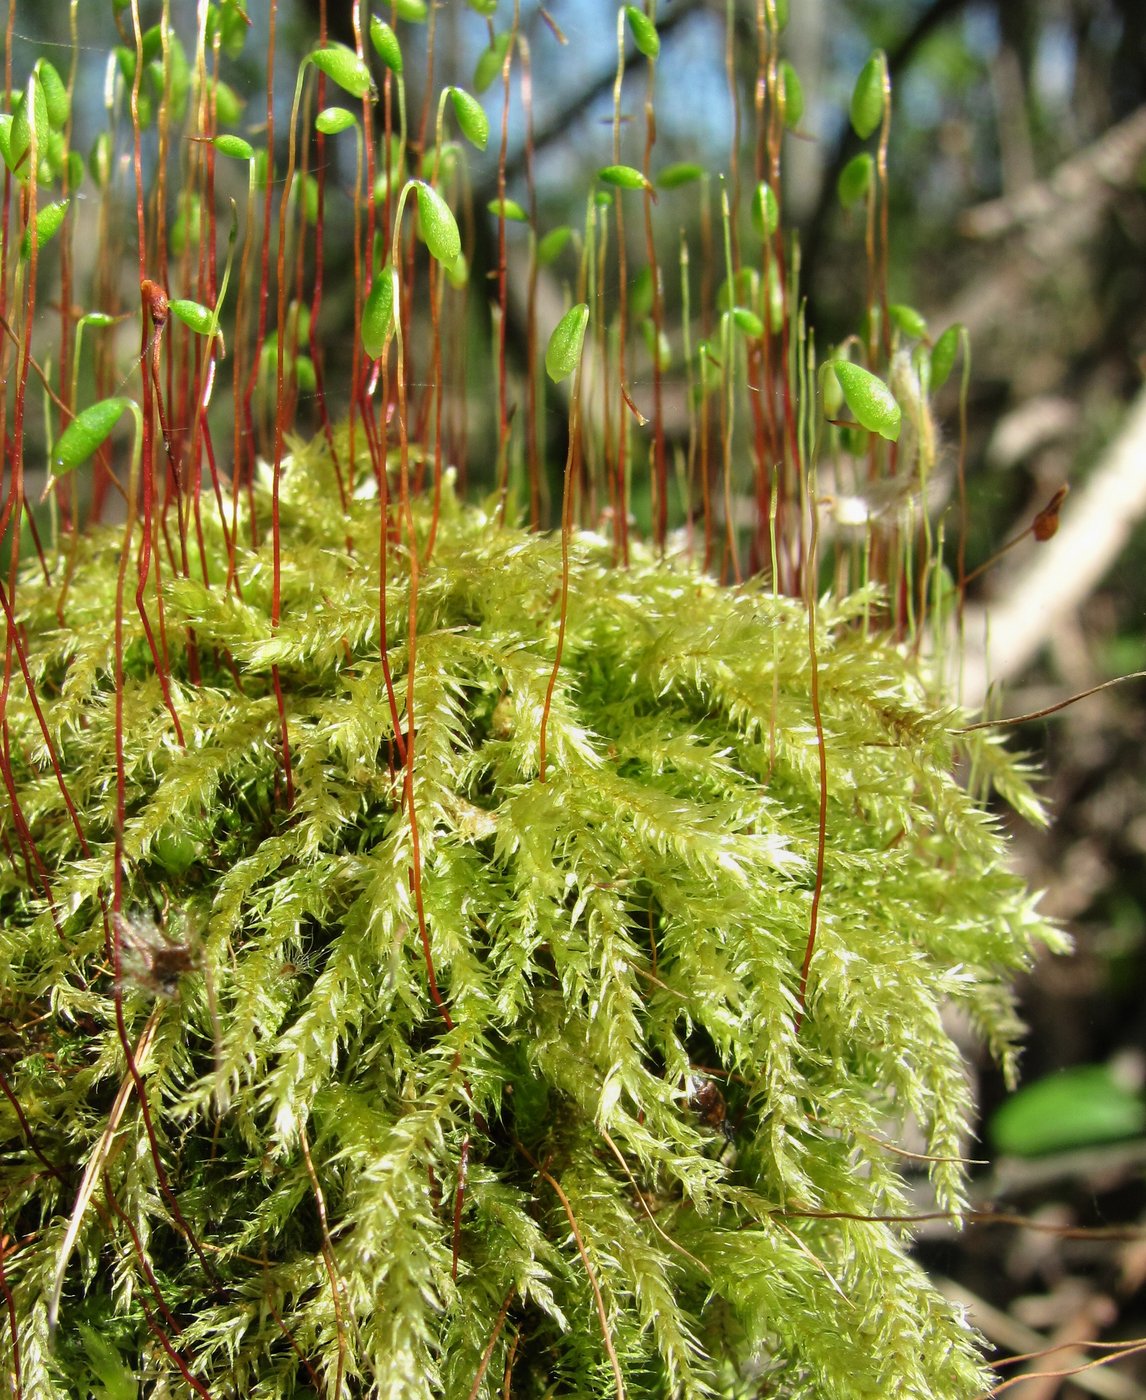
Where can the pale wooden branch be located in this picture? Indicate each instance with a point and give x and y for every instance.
(1087, 179)
(1048, 221)
(1096, 523)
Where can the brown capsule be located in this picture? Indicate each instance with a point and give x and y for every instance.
(1045, 524)
(155, 299)
(707, 1102)
(151, 960)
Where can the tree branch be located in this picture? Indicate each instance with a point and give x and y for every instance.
(1096, 524)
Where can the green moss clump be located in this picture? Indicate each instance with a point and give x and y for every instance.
(382, 1191)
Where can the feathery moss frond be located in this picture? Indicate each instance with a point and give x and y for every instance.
(617, 950)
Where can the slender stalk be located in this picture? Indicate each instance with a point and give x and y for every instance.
(532, 388)
(487, 1354)
(503, 419)
(590, 1272)
(660, 465)
(811, 591)
(727, 398)
(567, 516)
(621, 494)
(405, 504)
(280, 437)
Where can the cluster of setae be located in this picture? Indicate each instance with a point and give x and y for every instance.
(439, 956)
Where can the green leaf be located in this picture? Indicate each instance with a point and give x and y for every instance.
(152, 45)
(54, 159)
(48, 223)
(332, 120)
(550, 248)
(641, 292)
(625, 177)
(708, 370)
(439, 162)
(413, 10)
(855, 179)
(748, 322)
(472, 119)
(909, 321)
(508, 209)
(188, 222)
(386, 45)
(234, 146)
(792, 95)
(563, 352)
(309, 190)
(146, 108)
(305, 379)
(833, 394)
(86, 433)
(439, 227)
(869, 95)
(229, 22)
(175, 82)
(74, 170)
(28, 115)
(384, 184)
(175, 850)
(458, 272)
(193, 314)
(644, 31)
(107, 1367)
(1077, 1107)
(228, 105)
(656, 344)
(765, 210)
(56, 99)
(683, 172)
(871, 402)
(490, 62)
(741, 290)
(6, 138)
(125, 59)
(99, 162)
(378, 313)
(483, 7)
(344, 67)
(943, 354)
(781, 9)
(298, 315)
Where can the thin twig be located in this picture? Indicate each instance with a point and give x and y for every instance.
(487, 1354)
(1011, 720)
(610, 1349)
(336, 1284)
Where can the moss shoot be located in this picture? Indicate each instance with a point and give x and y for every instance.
(448, 1072)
